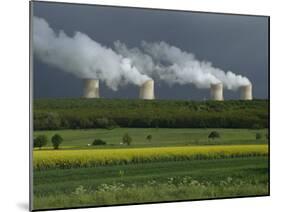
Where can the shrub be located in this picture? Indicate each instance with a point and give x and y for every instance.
(40, 141)
(127, 139)
(257, 126)
(56, 141)
(98, 142)
(214, 134)
(149, 137)
(258, 136)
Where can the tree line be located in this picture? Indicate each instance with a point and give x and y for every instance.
(83, 114)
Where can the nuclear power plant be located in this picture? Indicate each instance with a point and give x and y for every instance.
(91, 88)
(168, 63)
(217, 92)
(147, 90)
(246, 92)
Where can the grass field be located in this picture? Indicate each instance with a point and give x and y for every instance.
(177, 164)
(146, 182)
(160, 137)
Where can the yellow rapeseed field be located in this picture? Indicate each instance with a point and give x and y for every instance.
(45, 159)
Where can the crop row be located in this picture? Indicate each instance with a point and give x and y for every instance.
(65, 159)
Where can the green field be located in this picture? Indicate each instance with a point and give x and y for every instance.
(160, 137)
(148, 182)
(177, 164)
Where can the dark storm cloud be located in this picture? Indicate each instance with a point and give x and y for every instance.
(230, 42)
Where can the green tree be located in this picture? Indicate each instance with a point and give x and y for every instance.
(47, 121)
(149, 137)
(258, 136)
(98, 141)
(56, 141)
(127, 139)
(40, 141)
(213, 135)
(102, 122)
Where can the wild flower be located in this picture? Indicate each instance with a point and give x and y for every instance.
(97, 157)
(80, 190)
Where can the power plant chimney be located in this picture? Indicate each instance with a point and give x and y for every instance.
(147, 90)
(91, 88)
(246, 92)
(217, 92)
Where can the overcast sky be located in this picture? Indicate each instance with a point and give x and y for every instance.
(230, 42)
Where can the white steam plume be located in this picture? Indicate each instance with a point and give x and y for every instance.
(186, 62)
(83, 57)
(171, 68)
(173, 65)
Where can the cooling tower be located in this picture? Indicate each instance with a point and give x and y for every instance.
(246, 92)
(91, 88)
(217, 92)
(147, 90)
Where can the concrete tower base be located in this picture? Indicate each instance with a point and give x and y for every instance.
(147, 90)
(217, 92)
(91, 88)
(246, 92)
